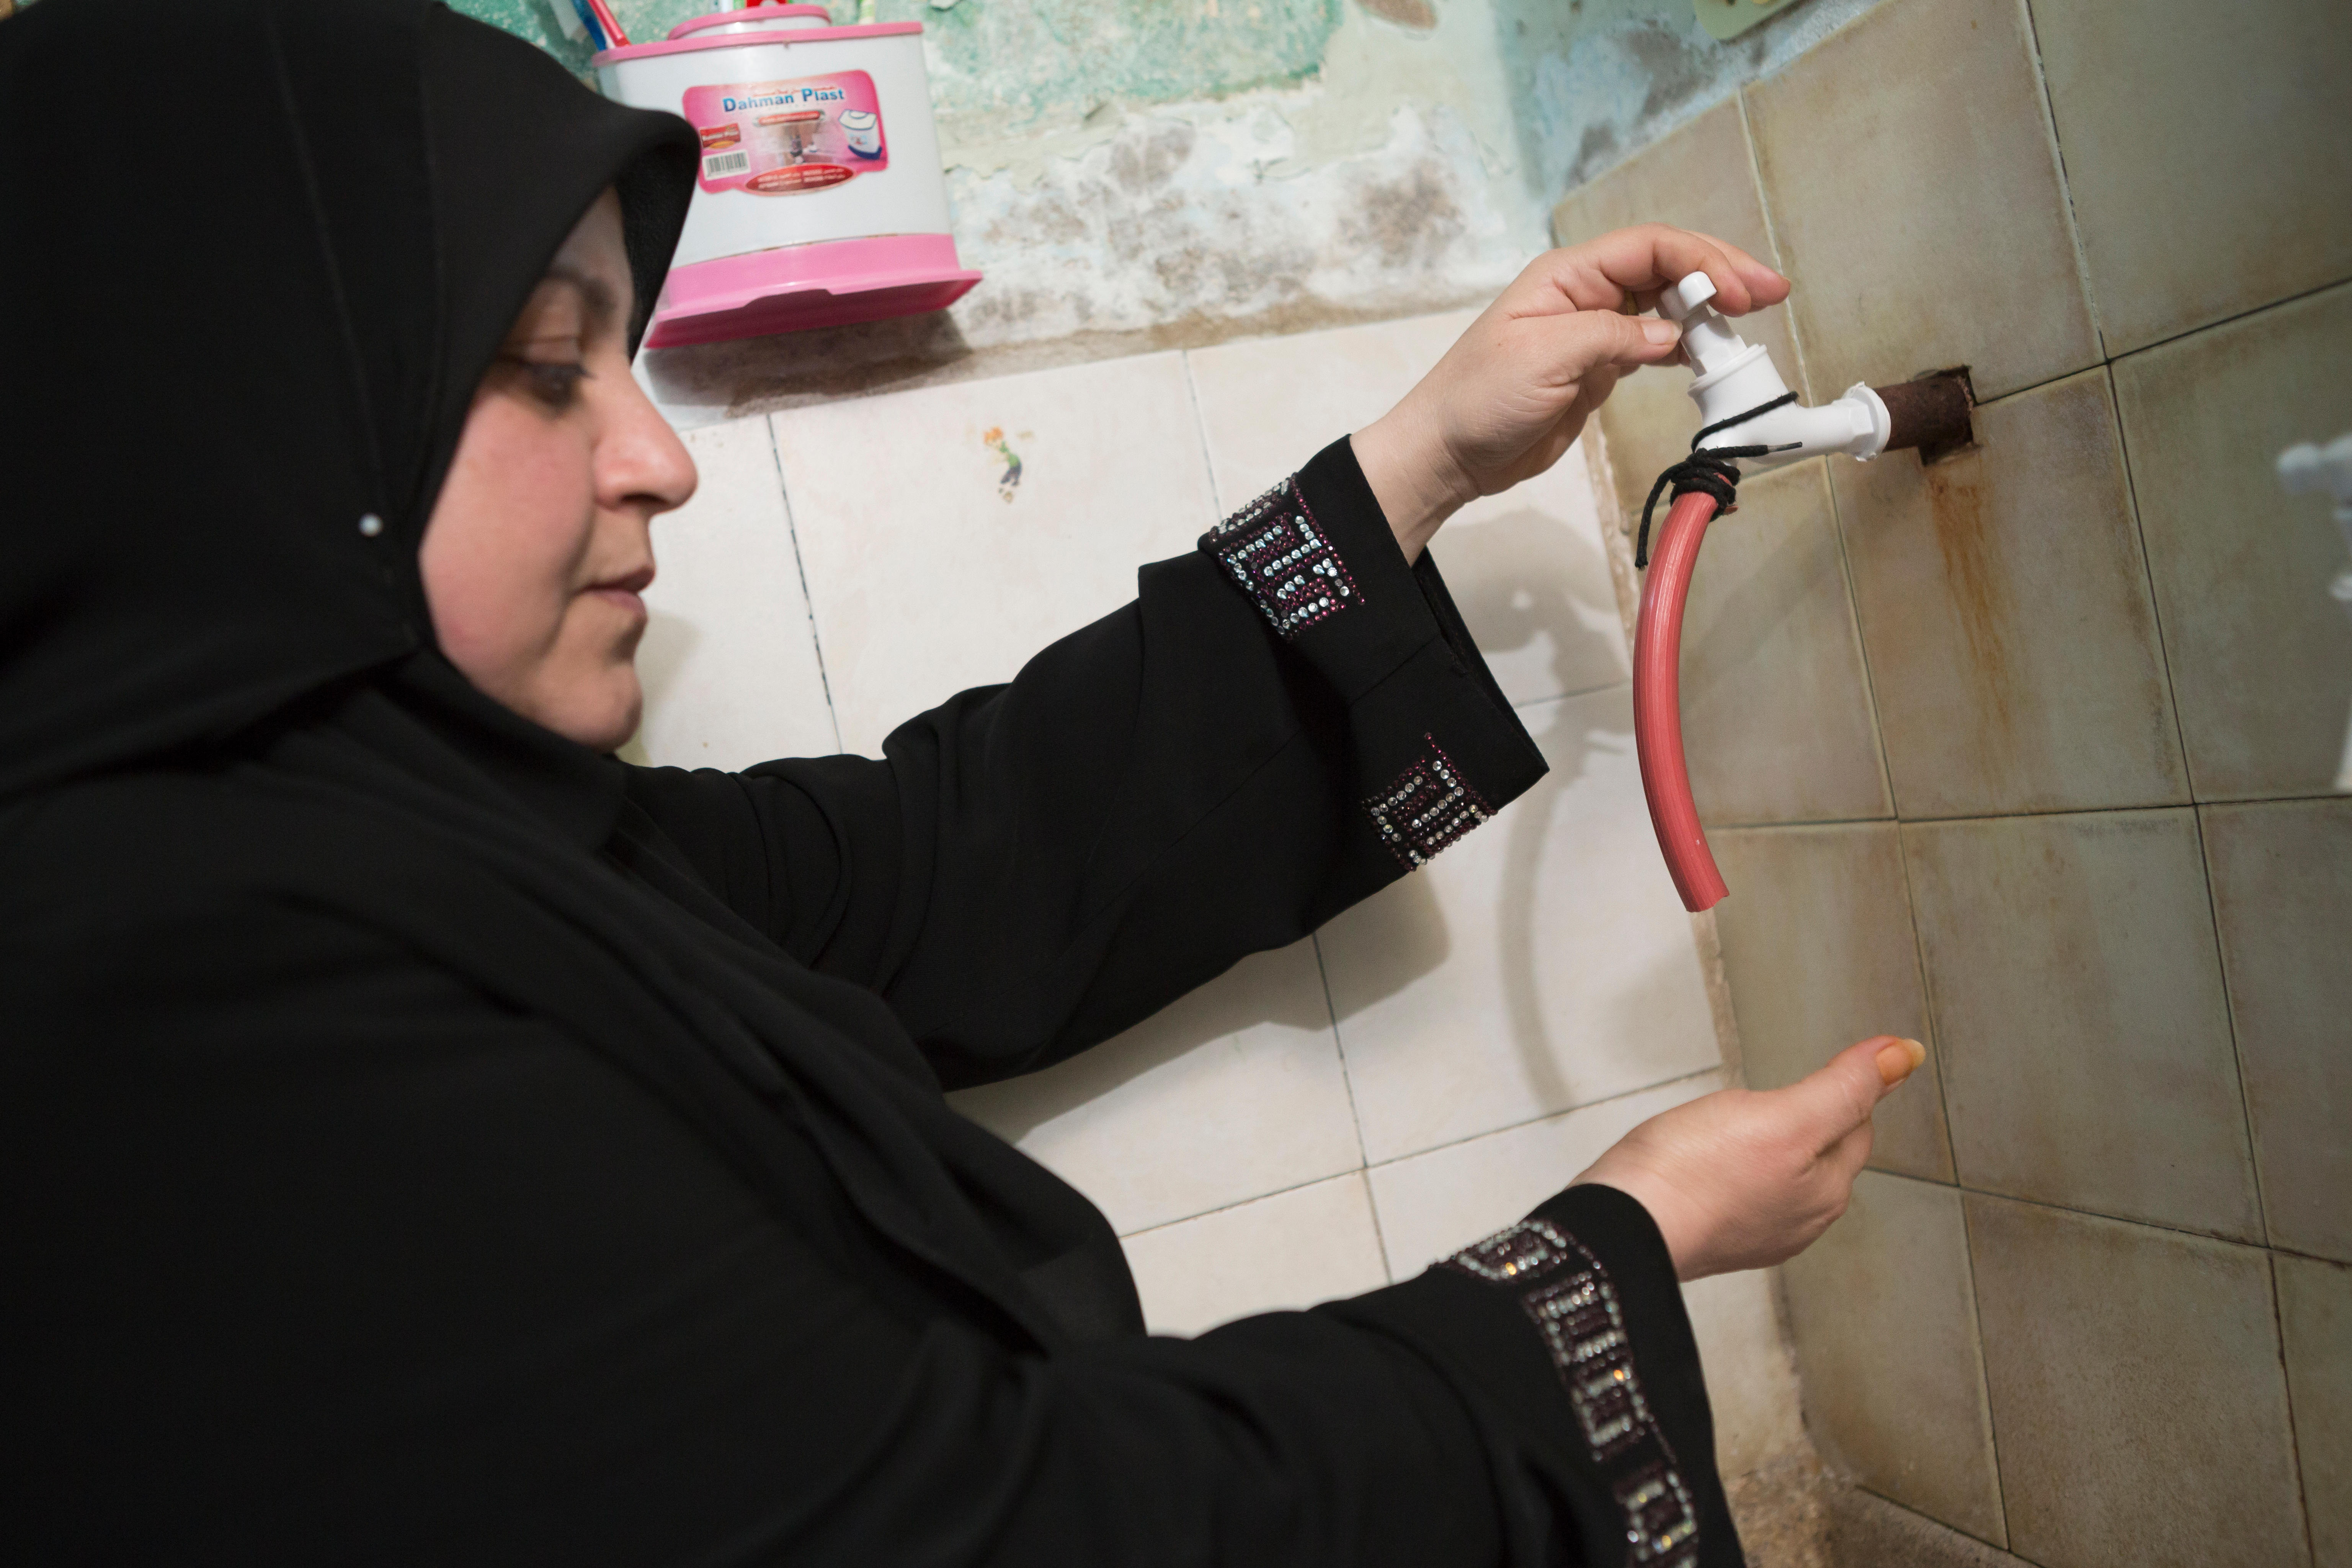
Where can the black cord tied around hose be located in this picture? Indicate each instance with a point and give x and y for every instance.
(1712, 472)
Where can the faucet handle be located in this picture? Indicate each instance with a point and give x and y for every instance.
(1681, 299)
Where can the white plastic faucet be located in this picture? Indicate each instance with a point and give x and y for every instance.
(2310, 467)
(1735, 375)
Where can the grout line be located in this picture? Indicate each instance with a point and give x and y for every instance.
(1366, 1171)
(2234, 803)
(808, 602)
(2008, 1553)
(1245, 1202)
(2196, 813)
(1936, 1040)
(2294, 1435)
(2113, 1218)
(2159, 1226)
(2299, 296)
(1984, 1367)
(1355, 1118)
(2230, 1013)
(1861, 644)
(2065, 181)
(1201, 434)
(1558, 696)
(1546, 1116)
(2233, 317)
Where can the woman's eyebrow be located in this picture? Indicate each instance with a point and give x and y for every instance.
(594, 292)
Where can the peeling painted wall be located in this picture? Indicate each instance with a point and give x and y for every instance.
(1132, 173)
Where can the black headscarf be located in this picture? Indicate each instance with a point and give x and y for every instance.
(361, 196)
(255, 255)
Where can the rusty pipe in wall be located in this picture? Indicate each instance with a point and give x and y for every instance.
(1930, 415)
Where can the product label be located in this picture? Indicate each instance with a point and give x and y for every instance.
(776, 138)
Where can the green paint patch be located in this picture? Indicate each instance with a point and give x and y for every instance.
(1014, 63)
(1017, 63)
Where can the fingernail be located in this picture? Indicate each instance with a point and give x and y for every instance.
(1899, 1061)
(1660, 333)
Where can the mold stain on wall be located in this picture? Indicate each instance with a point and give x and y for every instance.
(1139, 174)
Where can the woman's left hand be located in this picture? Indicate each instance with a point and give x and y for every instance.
(1512, 394)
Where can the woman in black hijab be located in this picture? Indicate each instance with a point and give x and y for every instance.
(426, 1138)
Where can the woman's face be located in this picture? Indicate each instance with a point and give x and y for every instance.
(541, 541)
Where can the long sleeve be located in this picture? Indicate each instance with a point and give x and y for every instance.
(386, 1271)
(1282, 722)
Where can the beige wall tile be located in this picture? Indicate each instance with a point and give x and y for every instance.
(1818, 951)
(2079, 1016)
(2005, 608)
(2207, 153)
(1913, 187)
(2283, 902)
(1542, 964)
(1293, 1249)
(729, 659)
(2136, 1393)
(2316, 1317)
(925, 579)
(1229, 1093)
(1777, 718)
(1701, 177)
(1525, 568)
(1886, 1343)
(2261, 654)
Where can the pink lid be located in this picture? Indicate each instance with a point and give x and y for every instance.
(828, 283)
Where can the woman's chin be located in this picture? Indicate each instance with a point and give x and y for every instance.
(602, 719)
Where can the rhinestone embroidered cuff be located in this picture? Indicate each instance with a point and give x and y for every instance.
(1576, 1312)
(1283, 560)
(1429, 806)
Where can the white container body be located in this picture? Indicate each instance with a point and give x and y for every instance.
(906, 197)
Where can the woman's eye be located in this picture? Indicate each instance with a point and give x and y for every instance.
(555, 383)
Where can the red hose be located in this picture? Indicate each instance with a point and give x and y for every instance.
(1658, 704)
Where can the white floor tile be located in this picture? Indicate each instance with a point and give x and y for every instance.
(1542, 964)
(1435, 1205)
(1293, 1249)
(932, 569)
(1231, 1093)
(1527, 568)
(729, 661)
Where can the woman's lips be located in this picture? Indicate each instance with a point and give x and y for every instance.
(625, 590)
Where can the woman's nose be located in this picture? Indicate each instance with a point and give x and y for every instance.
(640, 458)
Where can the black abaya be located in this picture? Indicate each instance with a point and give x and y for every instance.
(425, 1140)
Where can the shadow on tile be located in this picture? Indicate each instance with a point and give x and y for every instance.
(1509, 608)
(1221, 1009)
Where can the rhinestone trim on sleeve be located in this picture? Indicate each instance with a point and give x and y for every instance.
(1585, 1333)
(1583, 1330)
(1530, 1247)
(1282, 558)
(1661, 1525)
(1428, 808)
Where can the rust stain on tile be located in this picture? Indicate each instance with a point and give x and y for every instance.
(1957, 509)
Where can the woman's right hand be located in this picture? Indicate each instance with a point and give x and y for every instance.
(1744, 1178)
